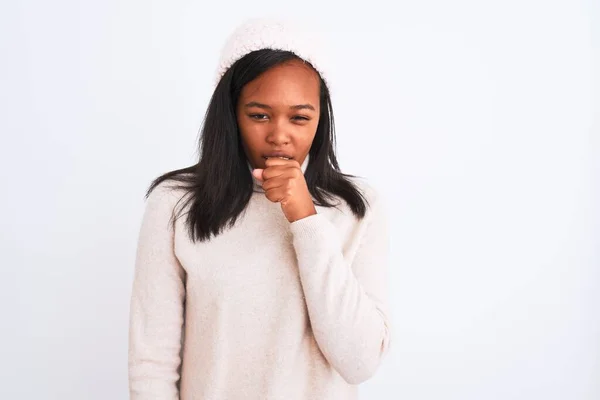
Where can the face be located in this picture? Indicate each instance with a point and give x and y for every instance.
(278, 113)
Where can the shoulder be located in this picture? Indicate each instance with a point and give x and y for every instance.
(166, 196)
(375, 205)
(370, 192)
(376, 220)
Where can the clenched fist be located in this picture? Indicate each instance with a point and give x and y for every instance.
(283, 182)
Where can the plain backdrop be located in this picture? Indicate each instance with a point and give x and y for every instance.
(476, 119)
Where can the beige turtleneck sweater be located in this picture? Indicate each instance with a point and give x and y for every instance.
(267, 310)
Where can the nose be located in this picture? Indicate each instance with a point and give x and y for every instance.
(279, 135)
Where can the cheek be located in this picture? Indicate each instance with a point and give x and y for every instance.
(312, 131)
(252, 135)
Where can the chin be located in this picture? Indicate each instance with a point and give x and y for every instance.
(259, 163)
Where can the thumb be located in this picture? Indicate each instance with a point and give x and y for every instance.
(257, 173)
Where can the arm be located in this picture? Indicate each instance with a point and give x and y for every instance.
(346, 303)
(157, 301)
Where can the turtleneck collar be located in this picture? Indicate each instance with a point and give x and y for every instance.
(258, 187)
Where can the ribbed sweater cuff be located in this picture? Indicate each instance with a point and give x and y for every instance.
(313, 233)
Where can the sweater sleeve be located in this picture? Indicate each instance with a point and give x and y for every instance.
(346, 301)
(156, 308)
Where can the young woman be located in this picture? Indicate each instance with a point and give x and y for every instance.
(261, 270)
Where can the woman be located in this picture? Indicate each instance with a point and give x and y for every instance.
(260, 271)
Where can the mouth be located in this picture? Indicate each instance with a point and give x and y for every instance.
(283, 156)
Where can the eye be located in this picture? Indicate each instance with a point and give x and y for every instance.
(259, 117)
(300, 118)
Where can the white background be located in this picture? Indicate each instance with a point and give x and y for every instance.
(475, 119)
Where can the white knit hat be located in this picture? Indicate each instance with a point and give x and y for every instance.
(277, 34)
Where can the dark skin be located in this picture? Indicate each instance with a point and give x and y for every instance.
(277, 115)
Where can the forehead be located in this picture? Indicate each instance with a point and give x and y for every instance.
(290, 83)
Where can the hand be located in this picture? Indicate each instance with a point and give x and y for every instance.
(283, 182)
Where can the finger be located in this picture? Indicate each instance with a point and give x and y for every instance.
(273, 172)
(273, 161)
(280, 170)
(273, 183)
(258, 174)
(279, 174)
(275, 178)
(275, 194)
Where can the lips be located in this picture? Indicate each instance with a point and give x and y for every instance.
(283, 155)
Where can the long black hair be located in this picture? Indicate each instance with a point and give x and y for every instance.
(219, 187)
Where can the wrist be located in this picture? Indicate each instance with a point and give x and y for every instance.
(310, 211)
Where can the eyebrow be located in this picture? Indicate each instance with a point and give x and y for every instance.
(266, 107)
